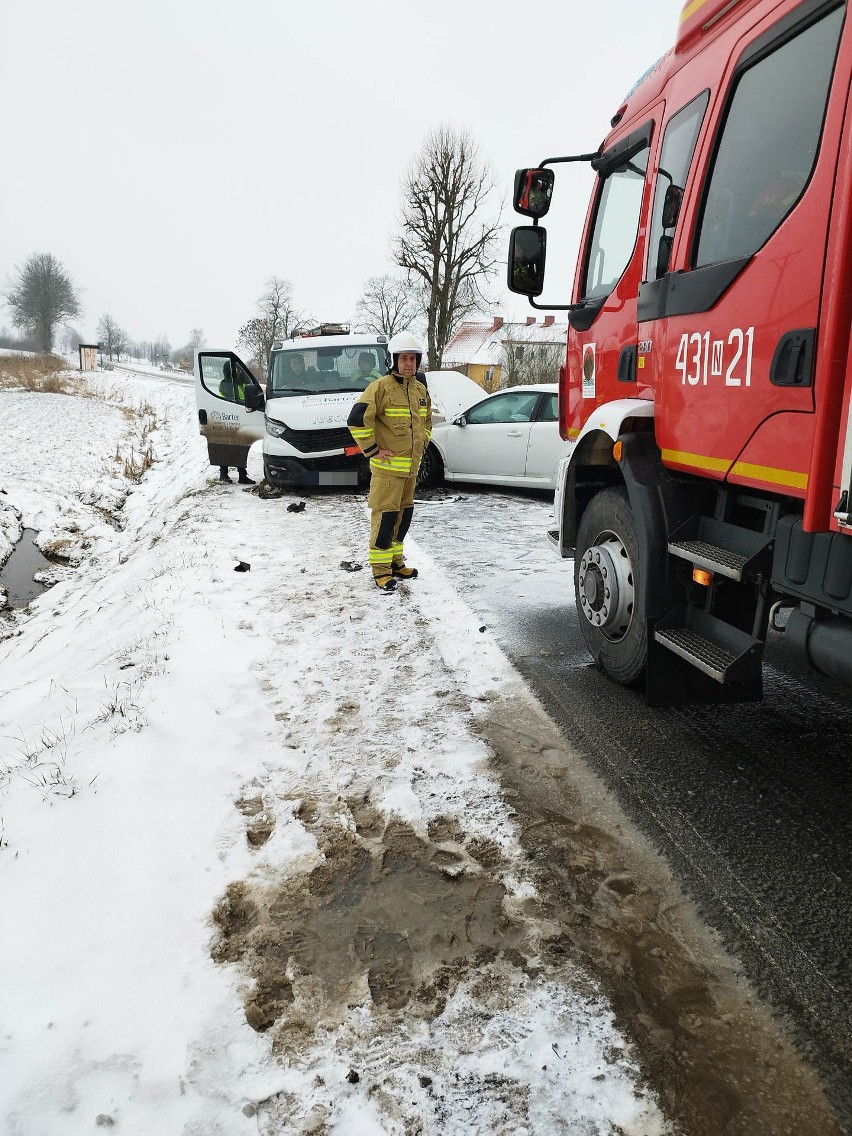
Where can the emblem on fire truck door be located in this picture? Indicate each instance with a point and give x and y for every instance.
(589, 371)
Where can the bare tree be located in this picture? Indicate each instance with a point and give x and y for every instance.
(162, 350)
(442, 239)
(70, 340)
(278, 319)
(184, 355)
(525, 363)
(41, 295)
(388, 304)
(113, 337)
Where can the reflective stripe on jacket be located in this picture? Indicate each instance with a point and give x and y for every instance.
(393, 414)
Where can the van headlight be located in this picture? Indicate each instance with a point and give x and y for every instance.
(276, 429)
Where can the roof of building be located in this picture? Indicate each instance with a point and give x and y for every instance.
(482, 343)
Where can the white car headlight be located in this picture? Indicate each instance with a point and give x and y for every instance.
(276, 429)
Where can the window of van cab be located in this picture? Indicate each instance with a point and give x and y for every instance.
(769, 142)
(325, 370)
(616, 225)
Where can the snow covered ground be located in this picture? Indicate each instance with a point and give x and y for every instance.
(256, 872)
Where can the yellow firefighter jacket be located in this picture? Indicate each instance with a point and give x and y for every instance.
(393, 414)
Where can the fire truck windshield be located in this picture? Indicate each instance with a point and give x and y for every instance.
(323, 370)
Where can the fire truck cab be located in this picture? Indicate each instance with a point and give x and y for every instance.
(706, 384)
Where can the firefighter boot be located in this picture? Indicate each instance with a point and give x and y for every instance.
(398, 566)
(386, 583)
(404, 571)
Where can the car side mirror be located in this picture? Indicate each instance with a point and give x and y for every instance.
(254, 398)
(461, 421)
(527, 253)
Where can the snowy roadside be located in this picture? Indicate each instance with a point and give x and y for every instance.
(289, 750)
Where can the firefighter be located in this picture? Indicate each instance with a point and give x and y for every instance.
(392, 423)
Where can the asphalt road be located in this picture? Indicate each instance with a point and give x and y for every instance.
(749, 804)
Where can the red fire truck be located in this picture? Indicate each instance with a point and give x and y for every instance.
(707, 378)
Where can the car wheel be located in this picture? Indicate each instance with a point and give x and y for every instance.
(606, 586)
(431, 468)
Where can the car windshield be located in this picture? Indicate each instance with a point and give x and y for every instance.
(321, 370)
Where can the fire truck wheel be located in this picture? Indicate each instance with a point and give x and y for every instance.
(431, 468)
(606, 586)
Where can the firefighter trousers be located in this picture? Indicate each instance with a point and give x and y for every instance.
(391, 502)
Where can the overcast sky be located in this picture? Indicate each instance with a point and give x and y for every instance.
(174, 154)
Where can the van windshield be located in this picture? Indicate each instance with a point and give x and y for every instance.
(322, 370)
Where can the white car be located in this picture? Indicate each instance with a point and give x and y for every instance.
(508, 438)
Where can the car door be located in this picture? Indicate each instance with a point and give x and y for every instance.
(223, 417)
(545, 446)
(492, 443)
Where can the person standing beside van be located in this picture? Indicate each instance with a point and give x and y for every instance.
(234, 390)
(392, 424)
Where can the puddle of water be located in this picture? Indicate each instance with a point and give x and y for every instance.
(16, 575)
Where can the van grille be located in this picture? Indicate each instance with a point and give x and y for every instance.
(313, 441)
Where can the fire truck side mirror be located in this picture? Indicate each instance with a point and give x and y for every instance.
(671, 206)
(533, 191)
(527, 252)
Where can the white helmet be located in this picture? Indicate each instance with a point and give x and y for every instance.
(404, 342)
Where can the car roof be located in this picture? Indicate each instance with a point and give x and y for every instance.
(308, 342)
(547, 388)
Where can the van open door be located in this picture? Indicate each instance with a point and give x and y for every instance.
(230, 405)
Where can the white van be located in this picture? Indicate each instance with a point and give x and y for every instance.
(312, 382)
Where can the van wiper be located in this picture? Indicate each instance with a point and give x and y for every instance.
(296, 390)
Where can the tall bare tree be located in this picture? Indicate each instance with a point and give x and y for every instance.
(278, 318)
(41, 294)
(525, 363)
(447, 238)
(388, 304)
(112, 336)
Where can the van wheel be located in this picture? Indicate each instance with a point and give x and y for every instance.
(606, 586)
(431, 470)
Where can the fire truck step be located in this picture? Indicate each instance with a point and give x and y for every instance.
(711, 645)
(708, 657)
(720, 547)
(703, 555)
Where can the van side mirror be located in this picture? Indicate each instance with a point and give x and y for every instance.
(254, 398)
(533, 191)
(527, 252)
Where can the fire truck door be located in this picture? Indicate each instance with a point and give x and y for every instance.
(609, 275)
(735, 315)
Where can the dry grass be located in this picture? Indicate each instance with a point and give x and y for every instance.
(40, 373)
